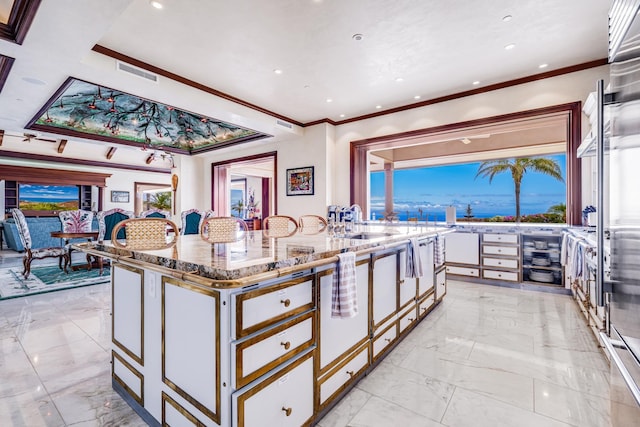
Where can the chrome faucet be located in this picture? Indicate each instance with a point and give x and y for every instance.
(357, 212)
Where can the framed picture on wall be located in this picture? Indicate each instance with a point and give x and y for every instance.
(300, 181)
(120, 196)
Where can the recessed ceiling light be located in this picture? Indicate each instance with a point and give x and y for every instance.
(416, 97)
(341, 115)
(507, 18)
(543, 65)
(156, 4)
(277, 71)
(399, 79)
(378, 107)
(34, 81)
(357, 37)
(329, 100)
(509, 46)
(477, 82)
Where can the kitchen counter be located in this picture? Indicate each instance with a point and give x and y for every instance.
(245, 334)
(234, 264)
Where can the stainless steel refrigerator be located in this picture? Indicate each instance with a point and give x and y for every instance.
(621, 293)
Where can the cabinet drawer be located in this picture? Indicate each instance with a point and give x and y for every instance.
(407, 319)
(383, 340)
(463, 271)
(426, 304)
(346, 371)
(257, 355)
(500, 250)
(500, 262)
(131, 380)
(284, 399)
(500, 275)
(500, 238)
(260, 307)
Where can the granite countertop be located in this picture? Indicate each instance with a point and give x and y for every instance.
(256, 253)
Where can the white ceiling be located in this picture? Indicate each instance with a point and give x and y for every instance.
(436, 47)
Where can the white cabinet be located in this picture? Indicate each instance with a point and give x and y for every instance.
(462, 248)
(384, 286)
(501, 256)
(426, 282)
(284, 399)
(407, 286)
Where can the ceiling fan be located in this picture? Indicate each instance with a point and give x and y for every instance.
(467, 139)
(29, 136)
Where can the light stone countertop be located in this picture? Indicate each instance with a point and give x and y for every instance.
(256, 253)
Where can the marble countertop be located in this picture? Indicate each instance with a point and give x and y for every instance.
(256, 253)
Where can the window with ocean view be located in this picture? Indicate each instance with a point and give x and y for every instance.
(480, 191)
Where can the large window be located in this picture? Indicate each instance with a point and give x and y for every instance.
(425, 193)
(548, 131)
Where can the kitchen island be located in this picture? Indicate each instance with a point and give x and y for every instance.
(241, 334)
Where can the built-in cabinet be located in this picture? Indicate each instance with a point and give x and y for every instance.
(541, 258)
(531, 256)
(266, 354)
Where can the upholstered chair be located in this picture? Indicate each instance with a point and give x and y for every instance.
(279, 226)
(30, 254)
(154, 213)
(222, 229)
(76, 221)
(107, 220)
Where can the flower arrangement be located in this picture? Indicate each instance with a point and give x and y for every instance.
(252, 205)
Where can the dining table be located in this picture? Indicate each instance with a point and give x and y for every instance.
(67, 236)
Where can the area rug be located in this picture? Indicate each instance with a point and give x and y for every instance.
(46, 279)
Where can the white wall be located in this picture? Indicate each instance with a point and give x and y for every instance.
(327, 148)
(541, 93)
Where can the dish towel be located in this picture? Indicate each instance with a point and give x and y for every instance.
(438, 252)
(564, 249)
(414, 264)
(344, 298)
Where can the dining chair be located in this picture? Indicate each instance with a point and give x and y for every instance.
(222, 229)
(312, 223)
(107, 220)
(279, 226)
(144, 234)
(191, 221)
(39, 253)
(154, 213)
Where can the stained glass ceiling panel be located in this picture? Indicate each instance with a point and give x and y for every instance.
(91, 111)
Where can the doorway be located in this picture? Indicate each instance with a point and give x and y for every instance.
(245, 187)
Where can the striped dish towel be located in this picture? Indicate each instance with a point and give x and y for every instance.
(414, 264)
(344, 298)
(438, 250)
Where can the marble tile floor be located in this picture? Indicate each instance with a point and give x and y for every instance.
(486, 356)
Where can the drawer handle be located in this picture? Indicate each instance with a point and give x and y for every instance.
(286, 302)
(401, 281)
(287, 411)
(387, 339)
(499, 250)
(411, 319)
(424, 308)
(350, 373)
(286, 345)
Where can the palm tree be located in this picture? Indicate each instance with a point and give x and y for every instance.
(161, 201)
(518, 167)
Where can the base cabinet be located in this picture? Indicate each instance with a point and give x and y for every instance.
(269, 354)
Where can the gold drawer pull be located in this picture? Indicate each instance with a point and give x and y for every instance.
(411, 319)
(350, 373)
(286, 345)
(387, 339)
(287, 411)
(286, 302)
(424, 308)
(401, 281)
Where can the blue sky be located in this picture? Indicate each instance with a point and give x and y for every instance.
(50, 192)
(435, 188)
